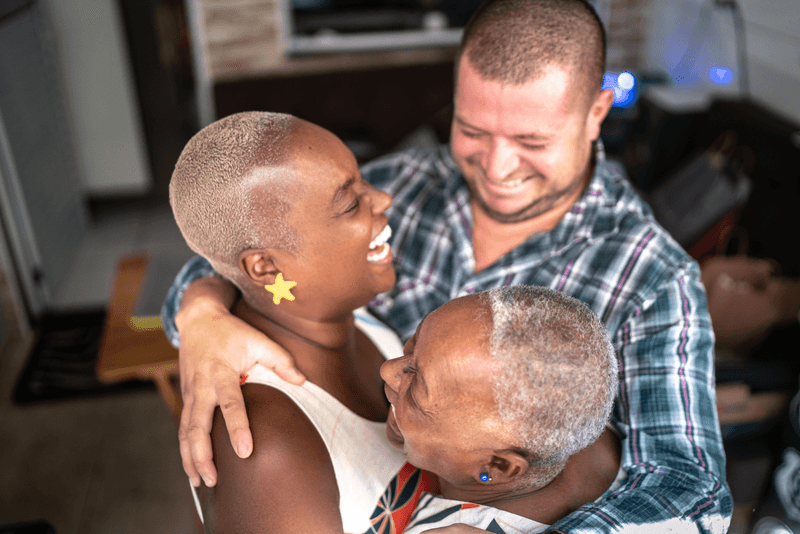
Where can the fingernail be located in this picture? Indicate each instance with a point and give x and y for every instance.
(207, 482)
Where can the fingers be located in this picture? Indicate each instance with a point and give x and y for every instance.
(186, 450)
(235, 415)
(289, 374)
(284, 368)
(195, 436)
(273, 356)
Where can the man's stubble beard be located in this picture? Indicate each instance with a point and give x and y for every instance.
(538, 207)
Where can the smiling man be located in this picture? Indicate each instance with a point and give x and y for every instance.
(523, 195)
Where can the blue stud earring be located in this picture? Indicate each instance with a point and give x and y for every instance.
(485, 478)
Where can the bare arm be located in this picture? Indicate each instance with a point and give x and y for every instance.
(288, 483)
(216, 348)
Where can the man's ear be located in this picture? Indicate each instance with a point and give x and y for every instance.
(598, 111)
(505, 466)
(259, 266)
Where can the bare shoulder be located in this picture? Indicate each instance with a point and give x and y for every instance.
(286, 484)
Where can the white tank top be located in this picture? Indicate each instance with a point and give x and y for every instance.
(363, 459)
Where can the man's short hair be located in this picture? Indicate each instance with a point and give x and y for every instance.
(226, 192)
(514, 41)
(557, 377)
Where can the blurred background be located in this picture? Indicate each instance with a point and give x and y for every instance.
(98, 97)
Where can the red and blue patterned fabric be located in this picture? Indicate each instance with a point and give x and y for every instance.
(397, 504)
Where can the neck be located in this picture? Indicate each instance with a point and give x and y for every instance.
(331, 353)
(492, 239)
(543, 504)
(280, 325)
(585, 477)
(500, 496)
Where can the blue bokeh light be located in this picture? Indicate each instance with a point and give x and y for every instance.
(625, 88)
(720, 75)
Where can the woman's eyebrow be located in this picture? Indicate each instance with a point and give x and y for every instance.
(342, 191)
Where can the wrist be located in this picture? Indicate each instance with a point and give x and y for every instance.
(204, 299)
(198, 308)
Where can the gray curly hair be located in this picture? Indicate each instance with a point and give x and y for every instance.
(557, 377)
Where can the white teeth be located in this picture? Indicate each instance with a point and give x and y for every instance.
(381, 238)
(509, 184)
(381, 255)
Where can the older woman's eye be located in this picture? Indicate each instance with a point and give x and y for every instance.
(409, 370)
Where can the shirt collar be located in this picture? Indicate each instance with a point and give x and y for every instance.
(596, 212)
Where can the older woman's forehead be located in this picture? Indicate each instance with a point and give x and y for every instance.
(463, 322)
(452, 351)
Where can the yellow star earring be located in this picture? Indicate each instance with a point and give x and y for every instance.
(280, 289)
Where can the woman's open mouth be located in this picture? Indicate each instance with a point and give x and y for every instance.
(379, 249)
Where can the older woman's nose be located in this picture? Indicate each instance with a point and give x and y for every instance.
(390, 371)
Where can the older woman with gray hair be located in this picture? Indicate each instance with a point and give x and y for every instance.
(495, 394)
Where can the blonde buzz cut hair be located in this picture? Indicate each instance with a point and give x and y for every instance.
(228, 189)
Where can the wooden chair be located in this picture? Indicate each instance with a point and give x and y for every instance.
(136, 347)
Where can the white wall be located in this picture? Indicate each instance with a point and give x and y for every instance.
(772, 35)
(773, 47)
(100, 95)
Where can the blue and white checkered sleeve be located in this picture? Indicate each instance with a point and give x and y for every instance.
(672, 449)
(196, 268)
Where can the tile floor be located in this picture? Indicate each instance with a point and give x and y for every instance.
(99, 465)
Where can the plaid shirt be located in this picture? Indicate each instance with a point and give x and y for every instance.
(610, 253)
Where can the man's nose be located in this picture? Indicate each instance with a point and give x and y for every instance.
(501, 159)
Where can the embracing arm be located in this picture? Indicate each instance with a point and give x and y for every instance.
(288, 483)
(672, 451)
(215, 349)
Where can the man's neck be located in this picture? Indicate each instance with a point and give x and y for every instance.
(491, 240)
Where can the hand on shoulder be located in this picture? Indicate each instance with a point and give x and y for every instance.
(216, 349)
